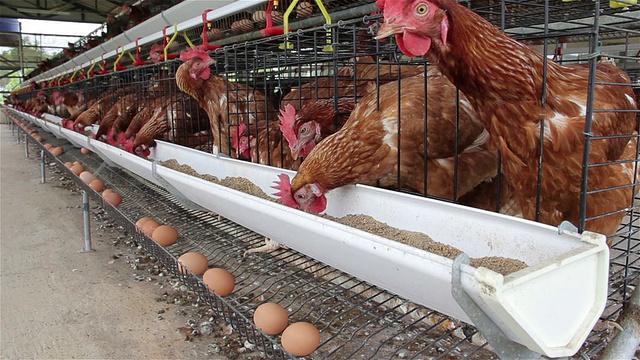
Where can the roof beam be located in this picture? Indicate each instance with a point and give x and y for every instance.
(25, 15)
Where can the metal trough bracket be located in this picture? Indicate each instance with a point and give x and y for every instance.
(175, 192)
(566, 226)
(501, 344)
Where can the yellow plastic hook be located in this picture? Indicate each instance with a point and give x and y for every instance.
(327, 19)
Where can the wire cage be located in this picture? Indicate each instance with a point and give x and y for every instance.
(342, 66)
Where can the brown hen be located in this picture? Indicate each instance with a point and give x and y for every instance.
(226, 103)
(365, 150)
(503, 80)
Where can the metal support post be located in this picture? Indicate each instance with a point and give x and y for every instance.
(625, 344)
(26, 145)
(42, 166)
(87, 228)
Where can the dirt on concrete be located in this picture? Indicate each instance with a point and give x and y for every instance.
(112, 303)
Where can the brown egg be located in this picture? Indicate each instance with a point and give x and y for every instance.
(259, 16)
(241, 26)
(77, 169)
(87, 177)
(142, 220)
(85, 151)
(68, 165)
(97, 185)
(149, 226)
(271, 318)
(300, 339)
(276, 17)
(39, 138)
(77, 162)
(304, 9)
(107, 191)
(112, 198)
(165, 235)
(193, 261)
(219, 280)
(57, 151)
(215, 34)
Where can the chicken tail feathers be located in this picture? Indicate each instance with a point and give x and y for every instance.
(284, 195)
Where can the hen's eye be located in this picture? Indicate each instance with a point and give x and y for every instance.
(304, 130)
(422, 9)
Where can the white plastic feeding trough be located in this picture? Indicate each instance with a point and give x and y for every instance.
(139, 166)
(549, 307)
(53, 123)
(78, 140)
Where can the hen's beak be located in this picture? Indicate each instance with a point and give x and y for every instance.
(295, 150)
(295, 153)
(387, 29)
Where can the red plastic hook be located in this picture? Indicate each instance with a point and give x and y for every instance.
(269, 29)
(139, 60)
(117, 66)
(206, 26)
(103, 66)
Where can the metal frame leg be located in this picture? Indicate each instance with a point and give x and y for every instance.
(87, 226)
(26, 145)
(42, 167)
(625, 344)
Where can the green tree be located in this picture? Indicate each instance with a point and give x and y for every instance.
(10, 64)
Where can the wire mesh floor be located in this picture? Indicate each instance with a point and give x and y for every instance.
(356, 319)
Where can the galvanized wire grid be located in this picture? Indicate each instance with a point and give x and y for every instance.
(356, 319)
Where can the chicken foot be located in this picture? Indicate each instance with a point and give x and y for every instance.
(269, 246)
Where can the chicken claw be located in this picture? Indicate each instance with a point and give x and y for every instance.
(269, 246)
(214, 214)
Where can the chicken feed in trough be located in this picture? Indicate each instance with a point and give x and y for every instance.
(366, 223)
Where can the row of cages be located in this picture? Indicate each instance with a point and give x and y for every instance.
(344, 72)
(334, 66)
(533, 22)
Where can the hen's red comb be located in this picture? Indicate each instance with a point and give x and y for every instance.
(40, 93)
(242, 128)
(287, 122)
(192, 53)
(380, 3)
(111, 139)
(285, 197)
(122, 138)
(127, 144)
(236, 133)
(156, 48)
